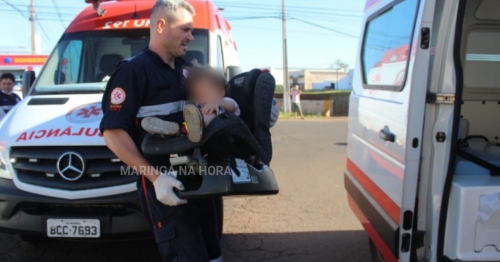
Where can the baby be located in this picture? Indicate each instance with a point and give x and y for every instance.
(206, 89)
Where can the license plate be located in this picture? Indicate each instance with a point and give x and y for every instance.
(85, 228)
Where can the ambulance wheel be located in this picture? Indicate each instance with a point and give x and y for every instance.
(376, 256)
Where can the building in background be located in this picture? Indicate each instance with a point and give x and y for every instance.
(18, 63)
(314, 79)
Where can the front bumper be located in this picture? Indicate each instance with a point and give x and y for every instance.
(21, 212)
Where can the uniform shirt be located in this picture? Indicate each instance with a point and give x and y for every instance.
(7, 102)
(143, 86)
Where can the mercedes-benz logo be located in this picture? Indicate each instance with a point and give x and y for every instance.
(71, 166)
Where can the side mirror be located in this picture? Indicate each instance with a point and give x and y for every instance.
(28, 79)
(232, 71)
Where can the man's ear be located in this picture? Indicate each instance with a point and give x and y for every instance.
(161, 26)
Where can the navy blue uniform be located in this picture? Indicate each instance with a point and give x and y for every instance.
(144, 86)
(7, 102)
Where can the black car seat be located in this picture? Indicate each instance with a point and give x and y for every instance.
(107, 65)
(254, 92)
(227, 140)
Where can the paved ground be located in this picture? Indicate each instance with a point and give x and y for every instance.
(308, 221)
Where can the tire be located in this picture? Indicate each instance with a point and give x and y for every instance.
(375, 254)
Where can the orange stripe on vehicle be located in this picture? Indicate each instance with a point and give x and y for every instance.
(382, 247)
(382, 198)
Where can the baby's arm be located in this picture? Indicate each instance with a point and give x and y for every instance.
(230, 106)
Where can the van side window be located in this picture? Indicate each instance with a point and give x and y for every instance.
(71, 61)
(220, 55)
(386, 47)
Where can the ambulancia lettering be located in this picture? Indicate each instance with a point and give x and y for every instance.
(59, 132)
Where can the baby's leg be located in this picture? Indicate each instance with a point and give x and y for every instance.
(155, 125)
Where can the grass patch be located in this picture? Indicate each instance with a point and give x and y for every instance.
(326, 92)
(319, 95)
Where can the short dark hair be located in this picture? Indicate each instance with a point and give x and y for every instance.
(196, 73)
(8, 76)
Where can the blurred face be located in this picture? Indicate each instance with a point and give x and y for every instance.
(7, 85)
(205, 91)
(177, 34)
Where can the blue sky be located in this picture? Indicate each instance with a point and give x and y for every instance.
(258, 39)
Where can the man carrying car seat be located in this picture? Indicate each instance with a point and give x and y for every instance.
(152, 84)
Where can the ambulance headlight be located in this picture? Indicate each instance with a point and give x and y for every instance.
(4, 169)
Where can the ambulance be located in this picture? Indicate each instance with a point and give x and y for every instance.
(57, 177)
(423, 157)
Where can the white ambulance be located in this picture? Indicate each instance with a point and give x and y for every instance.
(57, 177)
(423, 158)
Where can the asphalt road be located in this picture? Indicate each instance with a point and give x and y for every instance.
(309, 220)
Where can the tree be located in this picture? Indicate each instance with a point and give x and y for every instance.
(339, 64)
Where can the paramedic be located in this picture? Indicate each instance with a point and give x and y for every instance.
(8, 99)
(151, 84)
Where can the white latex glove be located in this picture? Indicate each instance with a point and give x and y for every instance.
(164, 189)
(275, 113)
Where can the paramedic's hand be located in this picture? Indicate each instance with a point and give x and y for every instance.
(210, 108)
(275, 113)
(164, 189)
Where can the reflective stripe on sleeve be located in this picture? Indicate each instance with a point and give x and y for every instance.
(162, 109)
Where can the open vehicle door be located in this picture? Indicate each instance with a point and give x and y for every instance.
(386, 122)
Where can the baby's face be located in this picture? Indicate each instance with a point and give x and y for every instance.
(206, 91)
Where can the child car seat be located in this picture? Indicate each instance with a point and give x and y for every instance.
(234, 155)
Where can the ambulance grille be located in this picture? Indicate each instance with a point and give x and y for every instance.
(47, 101)
(41, 166)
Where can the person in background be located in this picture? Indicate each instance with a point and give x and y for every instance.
(8, 99)
(295, 94)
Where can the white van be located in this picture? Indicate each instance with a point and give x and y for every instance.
(423, 158)
(57, 177)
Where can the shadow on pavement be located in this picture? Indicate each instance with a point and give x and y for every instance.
(17, 250)
(336, 246)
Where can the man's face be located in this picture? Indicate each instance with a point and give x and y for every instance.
(179, 33)
(7, 85)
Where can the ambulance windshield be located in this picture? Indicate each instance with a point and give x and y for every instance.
(83, 62)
